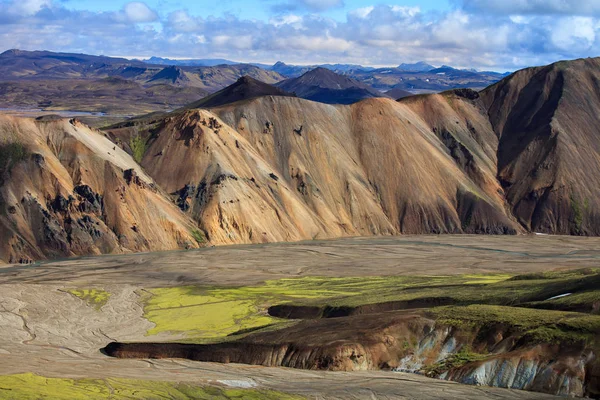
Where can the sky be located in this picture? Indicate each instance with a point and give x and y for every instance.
(498, 35)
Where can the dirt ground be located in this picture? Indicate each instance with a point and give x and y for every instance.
(46, 330)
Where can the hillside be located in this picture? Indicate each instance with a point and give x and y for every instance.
(397, 93)
(549, 152)
(264, 170)
(66, 190)
(325, 86)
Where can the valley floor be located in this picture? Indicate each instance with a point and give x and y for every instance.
(56, 316)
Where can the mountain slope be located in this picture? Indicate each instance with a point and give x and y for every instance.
(66, 190)
(325, 86)
(243, 89)
(549, 152)
(283, 168)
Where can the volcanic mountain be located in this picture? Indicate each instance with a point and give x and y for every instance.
(325, 86)
(245, 88)
(520, 156)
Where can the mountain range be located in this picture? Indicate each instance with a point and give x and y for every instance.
(259, 166)
(118, 86)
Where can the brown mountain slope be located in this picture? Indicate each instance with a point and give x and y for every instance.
(67, 190)
(549, 153)
(280, 168)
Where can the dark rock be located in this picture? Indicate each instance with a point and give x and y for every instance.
(92, 202)
(183, 195)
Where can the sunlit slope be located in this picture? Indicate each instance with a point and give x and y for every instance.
(66, 190)
(281, 168)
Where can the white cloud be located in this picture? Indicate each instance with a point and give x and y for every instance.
(139, 12)
(181, 21)
(361, 12)
(290, 19)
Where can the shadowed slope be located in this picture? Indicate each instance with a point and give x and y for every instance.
(245, 88)
(549, 153)
(325, 86)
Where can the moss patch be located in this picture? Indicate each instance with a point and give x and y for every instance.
(10, 155)
(30, 386)
(460, 359)
(198, 236)
(96, 298)
(138, 148)
(208, 313)
(536, 326)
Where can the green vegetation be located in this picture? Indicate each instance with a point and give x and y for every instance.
(30, 386)
(198, 236)
(462, 358)
(138, 148)
(10, 155)
(577, 213)
(94, 297)
(536, 326)
(588, 301)
(211, 313)
(202, 313)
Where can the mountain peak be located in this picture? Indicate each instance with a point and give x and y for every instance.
(326, 86)
(244, 88)
(12, 52)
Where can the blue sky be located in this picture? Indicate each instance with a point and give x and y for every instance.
(496, 35)
(251, 9)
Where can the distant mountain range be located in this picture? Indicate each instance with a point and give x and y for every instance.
(66, 81)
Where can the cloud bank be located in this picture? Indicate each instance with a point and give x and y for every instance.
(491, 35)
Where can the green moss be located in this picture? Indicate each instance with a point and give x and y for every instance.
(198, 236)
(30, 386)
(184, 310)
(535, 326)
(138, 148)
(205, 313)
(96, 298)
(209, 313)
(576, 214)
(458, 360)
(11, 154)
